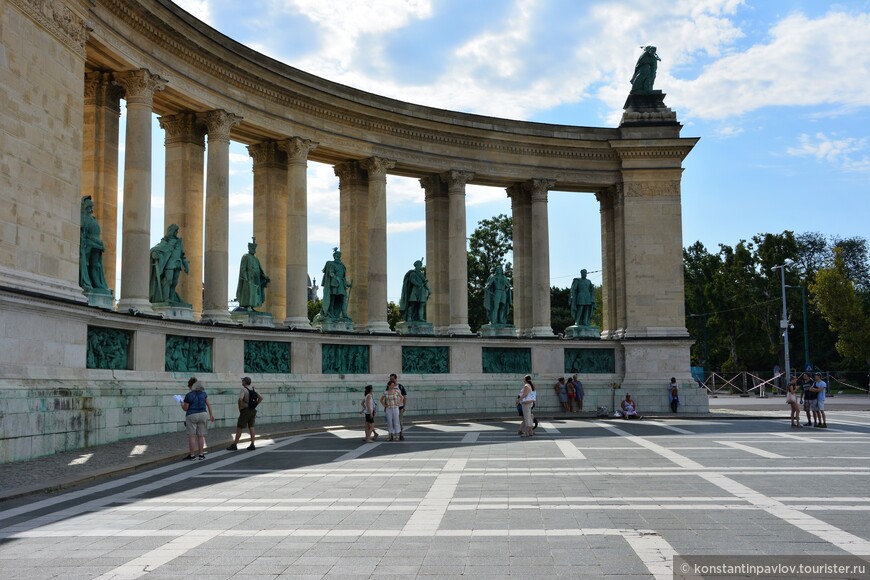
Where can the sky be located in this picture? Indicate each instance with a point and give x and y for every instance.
(778, 92)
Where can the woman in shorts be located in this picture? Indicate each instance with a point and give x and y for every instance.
(370, 409)
(197, 415)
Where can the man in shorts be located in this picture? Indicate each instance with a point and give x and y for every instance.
(248, 401)
(820, 387)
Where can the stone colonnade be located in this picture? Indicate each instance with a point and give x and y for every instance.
(280, 217)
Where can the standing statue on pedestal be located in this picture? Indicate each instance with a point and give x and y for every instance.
(336, 289)
(497, 297)
(167, 261)
(415, 293)
(582, 300)
(251, 290)
(91, 276)
(645, 71)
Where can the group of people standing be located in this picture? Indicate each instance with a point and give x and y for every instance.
(393, 401)
(809, 394)
(570, 391)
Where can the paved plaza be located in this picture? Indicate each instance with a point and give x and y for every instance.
(585, 498)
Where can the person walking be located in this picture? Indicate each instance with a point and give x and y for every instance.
(391, 400)
(791, 399)
(527, 398)
(197, 415)
(249, 399)
(401, 388)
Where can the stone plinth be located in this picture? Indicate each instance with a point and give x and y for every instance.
(252, 318)
(101, 299)
(576, 331)
(507, 330)
(647, 107)
(421, 327)
(340, 325)
(173, 311)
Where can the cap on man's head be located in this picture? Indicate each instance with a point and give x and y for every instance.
(818, 374)
(246, 380)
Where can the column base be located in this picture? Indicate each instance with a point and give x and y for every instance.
(541, 331)
(458, 330)
(216, 316)
(379, 327)
(135, 306)
(299, 323)
(422, 328)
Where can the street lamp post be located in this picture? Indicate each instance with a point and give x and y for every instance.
(783, 324)
(806, 333)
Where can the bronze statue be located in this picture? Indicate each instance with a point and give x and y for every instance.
(497, 297)
(91, 275)
(167, 261)
(415, 293)
(645, 71)
(335, 289)
(251, 290)
(582, 300)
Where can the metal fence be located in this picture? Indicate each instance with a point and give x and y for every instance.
(762, 384)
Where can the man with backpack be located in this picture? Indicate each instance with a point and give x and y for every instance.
(249, 399)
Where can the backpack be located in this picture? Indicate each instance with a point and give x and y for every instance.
(253, 398)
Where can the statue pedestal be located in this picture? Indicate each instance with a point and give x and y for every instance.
(582, 332)
(101, 299)
(420, 327)
(340, 325)
(173, 311)
(508, 330)
(647, 107)
(252, 318)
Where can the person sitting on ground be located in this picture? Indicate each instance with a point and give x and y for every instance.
(629, 408)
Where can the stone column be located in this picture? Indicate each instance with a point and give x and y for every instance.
(297, 150)
(183, 199)
(353, 187)
(458, 250)
(608, 262)
(521, 209)
(139, 88)
(619, 272)
(100, 160)
(377, 273)
(540, 270)
(217, 210)
(270, 222)
(437, 208)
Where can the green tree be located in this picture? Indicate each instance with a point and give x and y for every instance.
(846, 311)
(489, 245)
(394, 315)
(313, 308)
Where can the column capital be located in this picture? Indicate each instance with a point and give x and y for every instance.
(297, 149)
(349, 172)
(610, 196)
(102, 91)
(538, 188)
(456, 180)
(182, 128)
(267, 154)
(140, 85)
(219, 123)
(377, 167)
(433, 186)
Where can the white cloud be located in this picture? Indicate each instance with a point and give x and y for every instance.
(839, 152)
(198, 8)
(728, 131)
(323, 233)
(403, 227)
(481, 194)
(243, 197)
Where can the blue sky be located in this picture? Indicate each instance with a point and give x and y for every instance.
(778, 92)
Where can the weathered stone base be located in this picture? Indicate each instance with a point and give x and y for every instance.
(342, 325)
(421, 328)
(101, 299)
(505, 330)
(252, 318)
(576, 331)
(173, 311)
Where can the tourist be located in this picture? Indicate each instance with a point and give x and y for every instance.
(673, 395)
(808, 399)
(629, 408)
(791, 399)
(370, 408)
(248, 401)
(819, 387)
(578, 388)
(572, 393)
(392, 399)
(401, 388)
(527, 399)
(562, 392)
(197, 415)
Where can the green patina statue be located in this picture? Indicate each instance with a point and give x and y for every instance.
(251, 290)
(91, 276)
(582, 300)
(415, 293)
(336, 289)
(497, 297)
(645, 71)
(167, 261)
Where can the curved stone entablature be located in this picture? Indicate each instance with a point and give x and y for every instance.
(206, 70)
